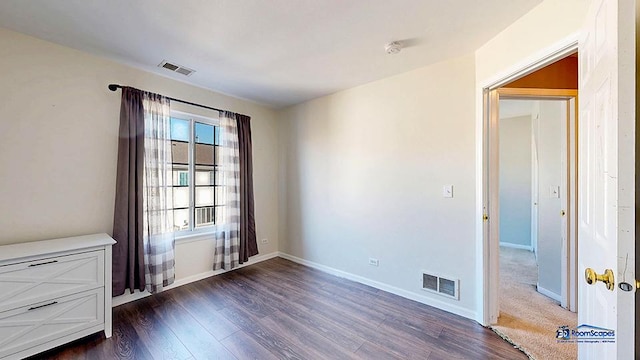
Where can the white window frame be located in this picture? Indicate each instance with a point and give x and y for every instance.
(194, 234)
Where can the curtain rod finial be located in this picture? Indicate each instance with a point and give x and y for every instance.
(113, 87)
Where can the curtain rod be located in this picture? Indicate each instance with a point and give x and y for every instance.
(114, 87)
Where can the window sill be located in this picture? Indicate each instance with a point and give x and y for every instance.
(183, 239)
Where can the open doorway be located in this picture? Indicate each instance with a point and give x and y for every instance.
(607, 164)
(532, 189)
(534, 294)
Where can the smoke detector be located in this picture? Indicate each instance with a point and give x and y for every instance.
(393, 47)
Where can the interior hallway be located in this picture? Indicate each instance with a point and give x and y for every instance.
(528, 318)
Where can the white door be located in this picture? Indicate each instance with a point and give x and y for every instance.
(606, 193)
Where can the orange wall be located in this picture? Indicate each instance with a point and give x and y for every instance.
(562, 74)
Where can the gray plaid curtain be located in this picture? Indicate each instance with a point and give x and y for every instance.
(227, 250)
(158, 238)
(236, 229)
(143, 257)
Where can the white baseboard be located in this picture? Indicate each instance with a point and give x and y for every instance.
(385, 287)
(549, 293)
(128, 297)
(516, 246)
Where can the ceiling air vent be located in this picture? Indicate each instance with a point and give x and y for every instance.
(176, 68)
(440, 285)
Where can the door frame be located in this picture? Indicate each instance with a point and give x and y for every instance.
(535, 188)
(487, 254)
(569, 251)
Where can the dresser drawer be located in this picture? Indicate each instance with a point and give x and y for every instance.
(23, 327)
(39, 280)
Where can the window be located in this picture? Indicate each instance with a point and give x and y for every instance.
(196, 191)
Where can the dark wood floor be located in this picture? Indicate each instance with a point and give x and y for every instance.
(278, 309)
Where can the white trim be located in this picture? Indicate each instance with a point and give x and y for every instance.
(108, 288)
(127, 297)
(487, 311)
(536, 61)
(184, 115)
(517, 246)
(385, 287)
(123, 299)
(548, 293)
(184, 239)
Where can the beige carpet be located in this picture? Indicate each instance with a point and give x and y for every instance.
(529, 319)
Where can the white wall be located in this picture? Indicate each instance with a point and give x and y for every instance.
(58, 145)
(515, 181)
(364, 171)
(361, 171)
(548, 24)
(551, 119)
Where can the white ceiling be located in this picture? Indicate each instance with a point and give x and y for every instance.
(276, 52)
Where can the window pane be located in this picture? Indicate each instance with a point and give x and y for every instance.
(218, 155)
(204, 154)
(181, 219)
(181, 197)
(220, 195)
(179, 129)
(204, 133)
(195, 147)
(217, 177)
(205, 216)
(220, 213)
(179, 152)
(206, 176)
(204, 196)
(217, 137)
(203, 177)
(180, 177)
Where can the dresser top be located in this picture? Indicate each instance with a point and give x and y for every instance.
(54, 246)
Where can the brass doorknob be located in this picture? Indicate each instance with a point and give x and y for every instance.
(592, 277)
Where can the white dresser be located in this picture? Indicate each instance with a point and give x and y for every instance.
(53, 292)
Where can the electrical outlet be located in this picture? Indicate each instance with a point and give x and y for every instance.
(264, 241)
(374, 262)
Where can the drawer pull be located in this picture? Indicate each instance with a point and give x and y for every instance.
(41, 306)
(44, 263)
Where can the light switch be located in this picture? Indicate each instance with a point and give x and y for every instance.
(554, 191)
(447, 191)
